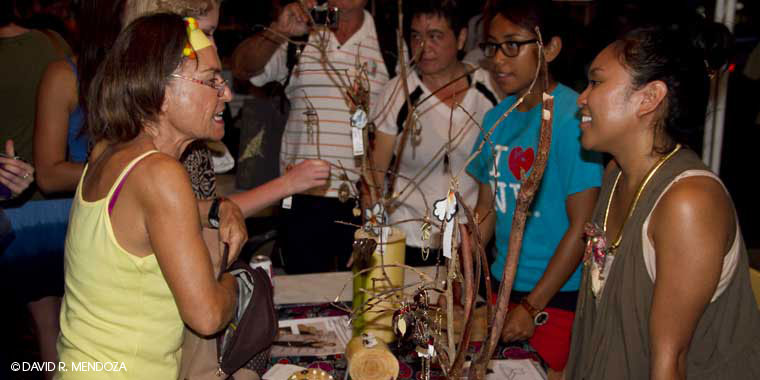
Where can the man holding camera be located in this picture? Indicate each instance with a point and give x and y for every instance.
(337, 75)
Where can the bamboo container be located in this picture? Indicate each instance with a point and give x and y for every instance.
(370, 359)
(378, 319)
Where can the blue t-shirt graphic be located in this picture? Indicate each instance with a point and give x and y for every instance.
(570, 169)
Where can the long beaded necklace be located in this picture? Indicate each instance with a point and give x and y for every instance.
(599, 254)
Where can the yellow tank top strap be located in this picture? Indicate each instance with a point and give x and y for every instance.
(120, 179)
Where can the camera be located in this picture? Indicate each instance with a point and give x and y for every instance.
(325, 15)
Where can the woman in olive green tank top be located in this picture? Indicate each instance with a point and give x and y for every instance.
(665, 291)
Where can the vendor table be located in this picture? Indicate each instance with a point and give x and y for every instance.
(309, 296)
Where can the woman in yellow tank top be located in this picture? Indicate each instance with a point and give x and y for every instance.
(136, 266)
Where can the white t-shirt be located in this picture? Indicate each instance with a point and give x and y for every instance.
(320, 84)
(434, 117)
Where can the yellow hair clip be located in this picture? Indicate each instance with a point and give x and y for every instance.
(196, 39)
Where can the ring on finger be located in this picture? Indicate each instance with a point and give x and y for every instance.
(25, 176)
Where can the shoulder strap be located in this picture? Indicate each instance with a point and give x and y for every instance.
(486, 92)
(292, 55)
(404, 111)
(290, 60)
(388, 49)
(128, 169)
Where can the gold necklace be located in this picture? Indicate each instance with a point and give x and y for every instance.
(639, 191)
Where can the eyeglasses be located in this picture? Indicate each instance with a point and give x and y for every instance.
(218, 86)
(510, 48)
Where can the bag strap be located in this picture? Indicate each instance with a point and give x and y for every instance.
(225, 258)
(403, 113)
(218, 355)
(290, 61)
(292, 55)
(388, 49)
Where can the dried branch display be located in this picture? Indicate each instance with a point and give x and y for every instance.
(414, 318)
(524, 199)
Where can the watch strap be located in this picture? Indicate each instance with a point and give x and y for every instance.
(532, 310)
(540, 317)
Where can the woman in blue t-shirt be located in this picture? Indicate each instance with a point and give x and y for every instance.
(547, 277)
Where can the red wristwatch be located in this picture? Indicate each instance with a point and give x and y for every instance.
(540, 317)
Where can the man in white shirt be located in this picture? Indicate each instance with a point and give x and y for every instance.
(319, 124)
(450, 99)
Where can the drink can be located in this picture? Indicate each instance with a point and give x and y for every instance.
(263, 262)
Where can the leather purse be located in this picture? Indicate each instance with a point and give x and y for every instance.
(253, 327)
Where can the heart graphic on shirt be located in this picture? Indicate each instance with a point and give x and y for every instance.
(520, 162)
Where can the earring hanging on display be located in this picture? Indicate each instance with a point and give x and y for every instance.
(426, 231)
(416, 138)
(416, 130)
(311, 122)
(343, 193)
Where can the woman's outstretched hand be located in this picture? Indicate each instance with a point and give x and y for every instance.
(307, 175)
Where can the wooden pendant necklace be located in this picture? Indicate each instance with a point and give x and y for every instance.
(599, 253)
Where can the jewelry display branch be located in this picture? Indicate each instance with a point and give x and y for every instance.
(384, 307)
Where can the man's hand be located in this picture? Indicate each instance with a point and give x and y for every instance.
(232, 228)
(519, 325)
(307, 175)
(293, 20)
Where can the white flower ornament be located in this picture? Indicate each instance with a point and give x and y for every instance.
(445, 208)
(375, 217)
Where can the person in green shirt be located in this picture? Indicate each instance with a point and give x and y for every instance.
(26, 53)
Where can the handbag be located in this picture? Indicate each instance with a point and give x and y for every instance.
(253, 327)
(199, 360)
(241, 350)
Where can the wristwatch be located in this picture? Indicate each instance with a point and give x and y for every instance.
(213, 212)
(540, 317)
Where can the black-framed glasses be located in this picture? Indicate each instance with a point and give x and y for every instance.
(510, 48)
(218, 86)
